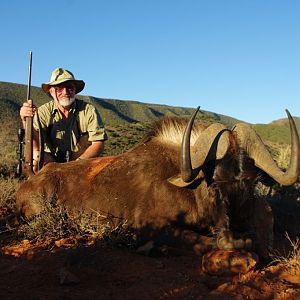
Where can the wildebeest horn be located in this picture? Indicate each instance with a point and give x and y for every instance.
(185, 162)
(255, 148)
(211, 144)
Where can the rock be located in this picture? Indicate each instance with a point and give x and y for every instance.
(146, 248)
(64, 242)
(22, 249)
(292, 276)
(67, 278)
(222, 262)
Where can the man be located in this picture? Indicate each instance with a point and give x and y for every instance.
(67, 128)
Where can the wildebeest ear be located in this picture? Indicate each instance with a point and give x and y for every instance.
(177, 180)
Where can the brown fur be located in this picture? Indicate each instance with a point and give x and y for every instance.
(134, 187)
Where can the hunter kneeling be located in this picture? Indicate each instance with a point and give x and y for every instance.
(64, 128)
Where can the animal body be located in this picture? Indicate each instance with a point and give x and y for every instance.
(201, 179)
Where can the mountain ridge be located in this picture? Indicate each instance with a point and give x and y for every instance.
(115, 112)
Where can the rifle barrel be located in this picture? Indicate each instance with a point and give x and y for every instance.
(29, 75)
(28, 166)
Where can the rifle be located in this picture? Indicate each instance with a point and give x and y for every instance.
(20, 151)
(28, 143)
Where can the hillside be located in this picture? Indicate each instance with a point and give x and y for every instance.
(277, 131)
(113, 111)
(125, 121)
(131, 114)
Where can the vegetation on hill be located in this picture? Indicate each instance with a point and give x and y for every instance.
(277, 131)
(126, 121)
(113, 111)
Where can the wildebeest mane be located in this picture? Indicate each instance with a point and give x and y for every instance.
(170, 130)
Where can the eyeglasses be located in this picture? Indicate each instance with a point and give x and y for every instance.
(70, 87)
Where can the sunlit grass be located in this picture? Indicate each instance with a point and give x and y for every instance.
(289, 261)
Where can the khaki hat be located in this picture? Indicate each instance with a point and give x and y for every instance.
(60, 75)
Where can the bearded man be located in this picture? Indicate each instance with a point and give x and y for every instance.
(64, 128)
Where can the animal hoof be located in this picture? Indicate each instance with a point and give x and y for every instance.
(220, 262)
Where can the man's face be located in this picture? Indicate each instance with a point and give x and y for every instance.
(63, 93)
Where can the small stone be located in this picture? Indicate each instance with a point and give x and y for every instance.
(292, 276)
(146, 248)
(67, 278)
(222, 262)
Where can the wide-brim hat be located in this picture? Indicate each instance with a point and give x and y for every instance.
(60, 75)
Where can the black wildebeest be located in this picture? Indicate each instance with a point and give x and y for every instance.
(203, 179)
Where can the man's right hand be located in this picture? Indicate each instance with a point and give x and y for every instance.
(27, 110)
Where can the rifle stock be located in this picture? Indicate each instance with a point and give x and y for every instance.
(28, 151)
(20, 151)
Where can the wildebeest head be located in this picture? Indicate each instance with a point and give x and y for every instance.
(216, 141)
(225, 165)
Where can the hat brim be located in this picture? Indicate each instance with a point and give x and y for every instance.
(79, 85)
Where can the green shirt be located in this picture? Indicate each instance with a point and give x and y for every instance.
(63, 135)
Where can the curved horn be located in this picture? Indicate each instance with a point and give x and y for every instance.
(211, 144)
(185, 158)
(255, 148)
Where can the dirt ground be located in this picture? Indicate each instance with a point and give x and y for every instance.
(68, 269)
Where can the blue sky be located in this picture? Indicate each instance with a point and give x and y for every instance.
(234, 57)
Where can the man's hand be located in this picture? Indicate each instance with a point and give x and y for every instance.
(93, 150)
(27, 110)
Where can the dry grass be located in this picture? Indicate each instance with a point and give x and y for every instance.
(56, 221)
(8, 188)
(290, 261)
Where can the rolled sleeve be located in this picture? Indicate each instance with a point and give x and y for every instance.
(95, 127)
